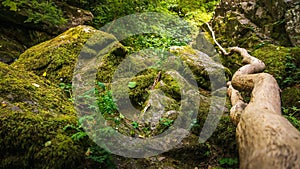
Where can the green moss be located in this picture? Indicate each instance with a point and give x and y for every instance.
(291, 96)
(171, 88)
(33, 113)
(277, 60)
(60, 147)
(231, 31)
(291, 104)
(55, 59)
(139, 94)
(194, 62)
(107, 68)
(57, 56)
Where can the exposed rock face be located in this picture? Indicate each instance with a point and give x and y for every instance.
(274, 21)
(292, 17)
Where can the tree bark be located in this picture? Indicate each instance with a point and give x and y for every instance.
(265, 138)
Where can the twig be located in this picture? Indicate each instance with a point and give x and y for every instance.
(157, 79)
(216, 42)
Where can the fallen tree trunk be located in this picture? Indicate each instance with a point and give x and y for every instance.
(266, 140)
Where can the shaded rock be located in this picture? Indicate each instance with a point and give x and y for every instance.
(256, 21)
(291, 101)
(74, 16)
(291, 96)
(16, 36)
(15, 39)
(158, 108)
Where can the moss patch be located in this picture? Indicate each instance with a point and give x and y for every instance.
(281, 62)
(33, 114)
(56, 58)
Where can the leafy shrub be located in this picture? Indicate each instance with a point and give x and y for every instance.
(37, 11)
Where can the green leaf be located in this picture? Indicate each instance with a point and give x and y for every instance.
(100, 84)
(12, 5)
(135, 124)
(48, 143)
(132, 85)
(121, 116)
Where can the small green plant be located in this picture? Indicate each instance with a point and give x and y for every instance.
(144, 41)
(135, 124)
(67, 88)
(228, 162)
(99, 155)
(259, 46)
(292, 72)
(95, 153)
(291, 113)
(166, 122)
(106, 103)
(79, 132)
(291, 110)
(79, 135)
(132, 85)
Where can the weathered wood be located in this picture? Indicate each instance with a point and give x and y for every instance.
(265, 138)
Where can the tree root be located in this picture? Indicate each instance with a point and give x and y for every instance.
(265, 138)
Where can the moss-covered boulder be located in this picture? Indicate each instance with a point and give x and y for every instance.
(55, 59)
(33, 113)
(207, 70)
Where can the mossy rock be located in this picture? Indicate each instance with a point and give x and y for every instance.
(232, 29)
(56, 59)
(208, 73)
(291, 101)
(246, 24)
(281, 62)
(33, 115)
